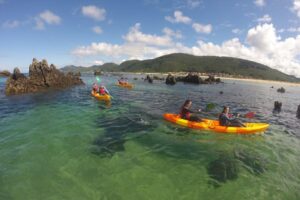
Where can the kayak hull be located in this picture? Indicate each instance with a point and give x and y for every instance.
(213, 125)
(105, 97)
(128, 85)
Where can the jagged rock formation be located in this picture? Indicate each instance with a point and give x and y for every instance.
(149, 79)
(41, 77)
(170, 80)
(4, 73)
(97, 72)
(281, 90)
(192, 77)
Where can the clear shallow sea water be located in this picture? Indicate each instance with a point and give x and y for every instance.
(66, 145)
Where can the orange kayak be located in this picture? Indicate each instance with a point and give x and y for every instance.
(127, 85)
(213, 125)
(105, 97)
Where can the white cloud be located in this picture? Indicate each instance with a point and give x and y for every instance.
(201, 28)
(296, 7)
(98, 62)
(293, 29)
(263, 37)
(11, 24)
(97, 29)
(179, 18)
(94, 12)
(260, 3)
(47, 17)
(263, 46)
(169, 32)
(136, 36)
(236, 31)
(193, 3)
(265, 19)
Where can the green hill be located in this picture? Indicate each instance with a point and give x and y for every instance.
(180, 62)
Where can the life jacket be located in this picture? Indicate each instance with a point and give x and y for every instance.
(185, 114)
(102, 91)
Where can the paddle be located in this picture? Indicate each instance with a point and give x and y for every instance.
(247, 115)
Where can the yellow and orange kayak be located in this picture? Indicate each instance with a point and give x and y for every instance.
(105, 97)
(213, 125)
(127, 85)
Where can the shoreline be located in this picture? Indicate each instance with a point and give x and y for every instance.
(205, 76)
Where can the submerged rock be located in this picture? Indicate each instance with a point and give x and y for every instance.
(107, 146)
(223, 169)
(254, 163)
(41, 77)
(298, 112)
(4, 73)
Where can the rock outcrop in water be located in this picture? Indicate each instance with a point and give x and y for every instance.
(149, 79)
(41, 77)
(170, 80)
(97, 72)
(4, 73)
(281, 90)
(277, 106)
(192, 77)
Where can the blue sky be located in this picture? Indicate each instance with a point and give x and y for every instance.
(93, 32)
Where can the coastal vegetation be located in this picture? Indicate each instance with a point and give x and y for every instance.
(179, 62)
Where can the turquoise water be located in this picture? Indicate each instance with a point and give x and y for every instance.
(66, 145)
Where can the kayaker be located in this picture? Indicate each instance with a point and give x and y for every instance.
(103, 90)
(186, 112)
(123, 81)
(95, 87)
(227, 119)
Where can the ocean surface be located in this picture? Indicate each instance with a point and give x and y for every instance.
(67, 145)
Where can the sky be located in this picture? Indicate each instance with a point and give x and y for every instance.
(89, 32)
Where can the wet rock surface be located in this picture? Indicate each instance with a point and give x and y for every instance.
(41, 78)
(4, 73)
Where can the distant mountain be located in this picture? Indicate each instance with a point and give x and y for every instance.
(180, 62)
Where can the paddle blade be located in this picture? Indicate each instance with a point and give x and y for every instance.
(250, 115)
(98, 79)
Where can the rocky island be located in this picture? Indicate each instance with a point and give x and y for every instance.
(4, 73)
(41, 77)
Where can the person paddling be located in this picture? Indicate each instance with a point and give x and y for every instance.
(103, 90)
(186, 112)
(95, 87)
(226, 119)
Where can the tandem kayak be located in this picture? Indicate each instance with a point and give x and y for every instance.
(213, 125)
(128, 85)
(105, 97)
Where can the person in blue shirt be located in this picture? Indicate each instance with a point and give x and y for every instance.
(227, 119)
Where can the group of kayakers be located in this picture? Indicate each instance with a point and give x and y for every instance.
(225, 118)
(101, 90)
